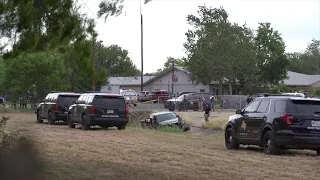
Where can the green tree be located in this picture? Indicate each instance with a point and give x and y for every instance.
(115, 60)
(217, 49)
(38, 25)
(177, 62)
(35, 74)
(272, 61)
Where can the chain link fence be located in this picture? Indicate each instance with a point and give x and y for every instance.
(230, 101)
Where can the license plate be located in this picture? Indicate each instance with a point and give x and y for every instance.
(109, 111)
(315, 123)
(110, 116)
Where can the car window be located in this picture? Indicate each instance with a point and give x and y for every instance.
(192, 97)
(264, 106)
(67, 100)
(85, 98)
(304, 106)
(90, 99)
(280, 106)
(165, 117)
(46, 99)
(80, 99)
(108, 101)
(252, 107)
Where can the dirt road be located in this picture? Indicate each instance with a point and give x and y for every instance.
(148, 154)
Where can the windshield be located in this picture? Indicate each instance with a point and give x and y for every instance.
(165, 117)
(130, 93)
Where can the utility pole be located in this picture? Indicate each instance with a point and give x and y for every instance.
(141, 47)
(93, 85)
(173, 77)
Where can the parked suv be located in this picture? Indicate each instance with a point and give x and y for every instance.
(276, 122)
(192, 101)
(55, 106)
(103, 109)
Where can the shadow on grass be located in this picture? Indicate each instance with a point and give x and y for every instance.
(284, 152)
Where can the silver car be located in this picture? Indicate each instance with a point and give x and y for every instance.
(130, 97)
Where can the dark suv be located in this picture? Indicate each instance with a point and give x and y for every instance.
(55, 106)
(276, 122)
(103, 109)
(192, 101)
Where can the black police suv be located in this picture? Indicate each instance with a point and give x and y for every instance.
(103, 109)
(276, 122)
(55, 106)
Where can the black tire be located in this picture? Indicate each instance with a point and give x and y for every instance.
(230, 141)
(318, 152)
(51, 119)
(84, 123)
(121, 127)
(171, 109)
(39, 120)
(70, 122)
(269, 144)
(135, 105)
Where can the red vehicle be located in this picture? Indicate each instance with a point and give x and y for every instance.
(162, 95)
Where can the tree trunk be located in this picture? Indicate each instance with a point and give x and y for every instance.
(220, 87)
(230, 89)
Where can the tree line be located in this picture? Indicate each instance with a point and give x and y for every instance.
(54, 47)
(218, 50)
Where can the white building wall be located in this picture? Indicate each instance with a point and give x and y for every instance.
(183, 84)
(111, 89)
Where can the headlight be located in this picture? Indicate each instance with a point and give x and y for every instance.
(127, 98)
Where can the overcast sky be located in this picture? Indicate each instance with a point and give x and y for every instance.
(165, 24)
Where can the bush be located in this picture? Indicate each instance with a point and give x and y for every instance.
(218, 124)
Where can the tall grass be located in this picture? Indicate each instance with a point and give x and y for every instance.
(216, 124)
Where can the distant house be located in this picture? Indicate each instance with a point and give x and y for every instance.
(163, 81)
(302, 81)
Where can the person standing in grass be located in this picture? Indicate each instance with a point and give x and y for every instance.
(207, 112)
(200, 103)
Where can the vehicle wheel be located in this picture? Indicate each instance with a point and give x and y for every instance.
(51, 119)
(269, 144)
(171, 109)
(230, 141)
(85, 125)
(318, 152)
(121, 127)
(70, 122)
(39, 120)
(135, 105)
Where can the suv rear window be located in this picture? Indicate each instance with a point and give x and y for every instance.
(108, 100)
(305, 106)
(67, 100)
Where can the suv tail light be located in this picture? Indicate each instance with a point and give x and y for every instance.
(57, 107)
(288, 119)
(127, 109)
(92, 109)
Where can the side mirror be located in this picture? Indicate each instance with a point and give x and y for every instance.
(238, 111)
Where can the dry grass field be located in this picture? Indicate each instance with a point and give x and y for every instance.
(140, 154)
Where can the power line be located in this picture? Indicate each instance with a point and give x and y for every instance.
(85, 3)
